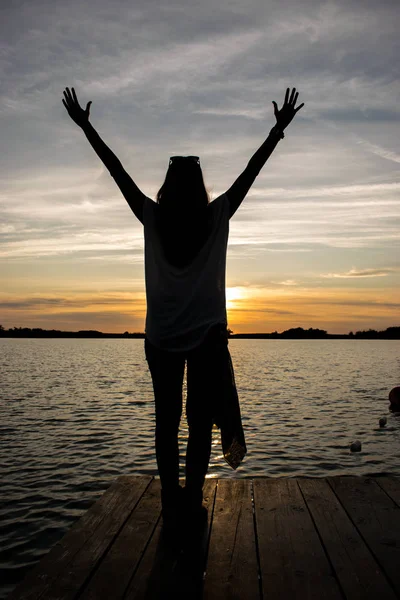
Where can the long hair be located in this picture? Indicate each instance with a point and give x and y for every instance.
(182, 215)
(183, 188)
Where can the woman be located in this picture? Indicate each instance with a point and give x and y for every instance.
(186, 239)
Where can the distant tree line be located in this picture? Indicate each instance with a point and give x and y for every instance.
(391, 333)
(51, 333)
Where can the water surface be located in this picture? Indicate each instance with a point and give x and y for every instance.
(77, 413)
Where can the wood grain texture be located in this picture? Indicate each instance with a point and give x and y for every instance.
(112, 576)
(232, 568)
(63, 571)
(292, 560)
(170, 570)
(355, 568)
(336, 538)
(377, 518)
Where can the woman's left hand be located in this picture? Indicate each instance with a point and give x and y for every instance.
(288, 111)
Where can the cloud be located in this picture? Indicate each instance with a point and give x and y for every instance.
(109, 246)
(222, 112)
(379, 150)
(361, 273)
(172, 79)
(355, 115)
(341, 193)
(80, 302)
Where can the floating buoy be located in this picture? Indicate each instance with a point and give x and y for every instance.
(394, 398)
(355, 446)
(382, 422)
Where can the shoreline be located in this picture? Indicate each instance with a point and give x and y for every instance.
(248, 336)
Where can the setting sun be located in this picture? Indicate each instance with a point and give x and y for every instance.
(233, 294)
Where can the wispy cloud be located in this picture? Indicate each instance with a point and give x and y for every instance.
(361, 273)
(379, 150)
(76, 301)
(286, 282)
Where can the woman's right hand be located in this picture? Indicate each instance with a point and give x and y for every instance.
(77, 114)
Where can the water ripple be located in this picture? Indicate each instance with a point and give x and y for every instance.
(76, 414)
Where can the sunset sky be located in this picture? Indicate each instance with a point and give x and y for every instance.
(316, 241)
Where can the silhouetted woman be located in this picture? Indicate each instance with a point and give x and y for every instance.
(186, 239)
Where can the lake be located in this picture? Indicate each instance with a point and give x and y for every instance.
(77, 413)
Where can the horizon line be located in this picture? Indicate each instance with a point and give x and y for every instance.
(232, 333)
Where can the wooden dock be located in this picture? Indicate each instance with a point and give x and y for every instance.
(278, 539)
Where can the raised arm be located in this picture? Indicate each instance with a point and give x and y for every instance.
(238, 191)
(133, 195)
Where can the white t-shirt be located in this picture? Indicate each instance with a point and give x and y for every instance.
(183, 303)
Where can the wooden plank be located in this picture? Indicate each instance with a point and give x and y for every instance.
(356, 569)
(88, 558)
(292, 561)
(191, 564)
(164, 571)
(377, 518)
(120, 563)
(232, 568)
(118, 499)
(332, 538)
(391, 485)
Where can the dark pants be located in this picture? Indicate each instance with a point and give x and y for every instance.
(167, 371)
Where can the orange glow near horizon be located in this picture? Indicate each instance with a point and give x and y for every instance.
(250, 309)
(259, 309)
(314, 242)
